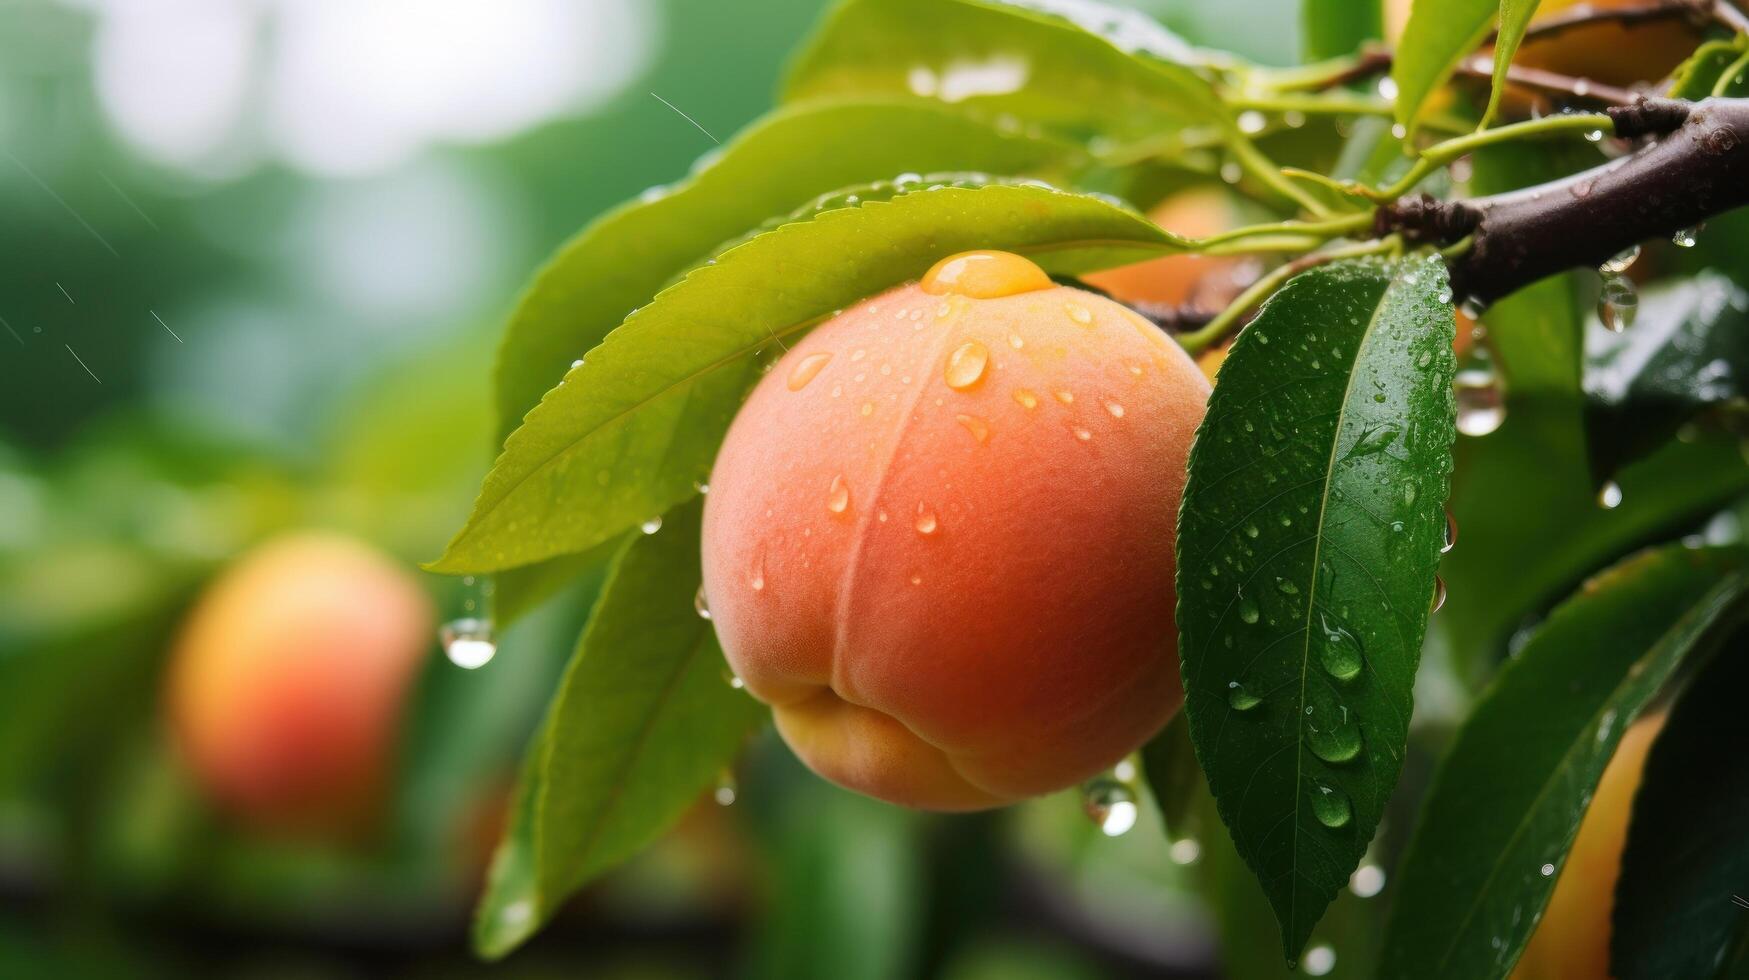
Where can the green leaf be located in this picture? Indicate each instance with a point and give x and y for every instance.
(1307, 543)
(1687, 351)
(1686, 863)
(642, 723)
(1332, 28)
(1695, 78)
(1175, 780)
(623, 258)
(1506, 802)
(518, 591)
(1441, 34)
(634, 428)
(1096, 70)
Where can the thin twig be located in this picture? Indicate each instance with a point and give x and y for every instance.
(1481, 66)
(1727, 15)
(1695, 12)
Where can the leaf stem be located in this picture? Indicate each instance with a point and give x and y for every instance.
(1731, 73)
(1196, 342)
(1441, 154)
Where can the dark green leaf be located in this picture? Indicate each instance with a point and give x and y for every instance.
(1308, 538)
(1508, 798)
(1514, 19)
(1686, 866)
(520, 590)
(1169, 762)
(643, 723)
(1694, 79)
(632, 430)
(1096, 70)
(1687, 351)
(1332, 28)
(622, 259)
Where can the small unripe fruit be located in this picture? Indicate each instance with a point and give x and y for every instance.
(939, 537)
(286, 685)
(1572, 940)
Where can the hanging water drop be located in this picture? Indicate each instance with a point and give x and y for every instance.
(1686, 237)
(1110, 805)
(701, 604)
(1451, 532)
(1330, 805)
(652, 525)
(1618, 304)
(1480, 406)
(1438, 601)
(1621, 261)
(1368, 880)
(966, 365)
(727, 791)
(1609, 496)
(468, 642)
(1319, 960)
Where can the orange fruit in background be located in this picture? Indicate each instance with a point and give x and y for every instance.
(1201, 281)
(939, 539)
(1571, 941)
(287, 683)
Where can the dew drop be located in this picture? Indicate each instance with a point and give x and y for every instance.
(925, 522)
(1080, 314)
(984, 275)
(1451, 532)
(1114, 408)
(1548, 870)
(1240, 699)
(806, 369)
(1367, 880)
(1286, 587)
(1248, 610)
(1438, 601)
(838, 495)
(1621, 261)
(1618, 304)
(1341, 654)
(979, 429)
(1686, 237)
(966, 365)
(1027, 399)
(1480, 406)
(1609, 496)
(468, 642)
(1330, 805)
(701, 604)
(726, 792)
(1333, 736)
(1110, 805)
(652, 525)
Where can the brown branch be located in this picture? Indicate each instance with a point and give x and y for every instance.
(1697, 171)
(1696, 12)
(1481, 66)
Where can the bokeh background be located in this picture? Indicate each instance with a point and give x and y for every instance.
(254, 257)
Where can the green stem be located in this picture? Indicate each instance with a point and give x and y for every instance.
(1197, 341)
(1735, 69)
(1253, 162)
(1323, 230)
(1443, 153)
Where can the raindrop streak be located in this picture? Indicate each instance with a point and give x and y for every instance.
(468, 642)
(1110, 805)
(652, 525)
(806, 369)
(966, 365)
(701, 604)
(1330, 805)
(838, 495)
(1341, 655)
(1609, 495)
(1319, 960)
(1240, 699)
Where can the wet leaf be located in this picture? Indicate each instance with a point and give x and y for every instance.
(642, 724)
(633, 428)
(623, 258)
(1079, 68)
(1687, 351)
(1685, 869)
(1695, 78)
(1310, 530)
(1175, 780)
(1507, 800)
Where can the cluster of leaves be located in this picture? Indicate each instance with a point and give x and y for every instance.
(1313, 523)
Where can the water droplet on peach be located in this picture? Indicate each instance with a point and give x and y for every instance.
(925, 519)
(979, 429)
(838, 495)
(966, 365)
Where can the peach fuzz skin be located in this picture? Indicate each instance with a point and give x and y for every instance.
(940, 533)
(287, 682)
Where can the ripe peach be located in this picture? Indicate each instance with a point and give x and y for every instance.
(287, 682)
(1572, 940)
(940, 536)
(1178, 280)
